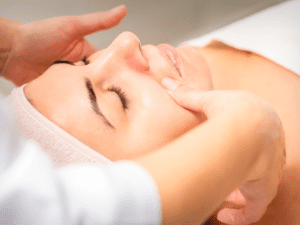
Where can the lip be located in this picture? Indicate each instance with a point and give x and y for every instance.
(171, 54)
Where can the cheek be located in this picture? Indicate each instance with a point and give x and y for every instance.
(161, 123)
(174, 121)
(195, 69)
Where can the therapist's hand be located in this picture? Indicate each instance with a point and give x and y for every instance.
(36, 45)
(249, 202)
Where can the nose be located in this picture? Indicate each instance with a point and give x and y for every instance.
(123, 53)
(127, 40)
(127, 49)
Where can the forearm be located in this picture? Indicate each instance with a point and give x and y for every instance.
(195, 173)
(7, 32)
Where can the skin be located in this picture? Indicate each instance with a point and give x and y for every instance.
(151, 109)
(152, 119)
(235, 69)
(44, 105)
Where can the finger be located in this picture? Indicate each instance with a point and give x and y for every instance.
(90, 23)
(232, 216)
(185, 96)
(88, 48)
(236, 200)
(247, 215)
(78, 53)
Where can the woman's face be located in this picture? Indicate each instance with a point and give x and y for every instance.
(120, 128)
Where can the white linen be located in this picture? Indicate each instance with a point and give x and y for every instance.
(34, 192)
(273, 33)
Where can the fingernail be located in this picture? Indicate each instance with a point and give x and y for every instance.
(169, 83)
(117, 8)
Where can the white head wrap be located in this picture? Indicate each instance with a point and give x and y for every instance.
(63, 148)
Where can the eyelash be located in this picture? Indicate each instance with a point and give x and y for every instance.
(86, 62)
(118, 90)
(121, 94)
(84, 59)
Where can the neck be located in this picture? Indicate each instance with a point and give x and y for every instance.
(226, 63)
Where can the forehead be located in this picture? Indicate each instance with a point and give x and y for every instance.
(54, 87)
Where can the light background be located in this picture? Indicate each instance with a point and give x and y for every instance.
(153, 21)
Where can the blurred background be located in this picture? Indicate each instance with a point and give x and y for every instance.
(153, 21)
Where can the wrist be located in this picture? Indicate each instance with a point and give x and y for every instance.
(8, 30)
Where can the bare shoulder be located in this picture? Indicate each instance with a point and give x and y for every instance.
(235, 69)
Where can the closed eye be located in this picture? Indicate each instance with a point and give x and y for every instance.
(85, 60)
(123, 97)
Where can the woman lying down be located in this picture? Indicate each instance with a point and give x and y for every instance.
(112, 106)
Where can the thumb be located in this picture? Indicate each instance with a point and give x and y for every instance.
(90, 23)
(232, 216)
(187, 97)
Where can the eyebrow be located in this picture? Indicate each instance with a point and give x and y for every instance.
(93, 101)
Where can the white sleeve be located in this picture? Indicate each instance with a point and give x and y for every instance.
(34, 192)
